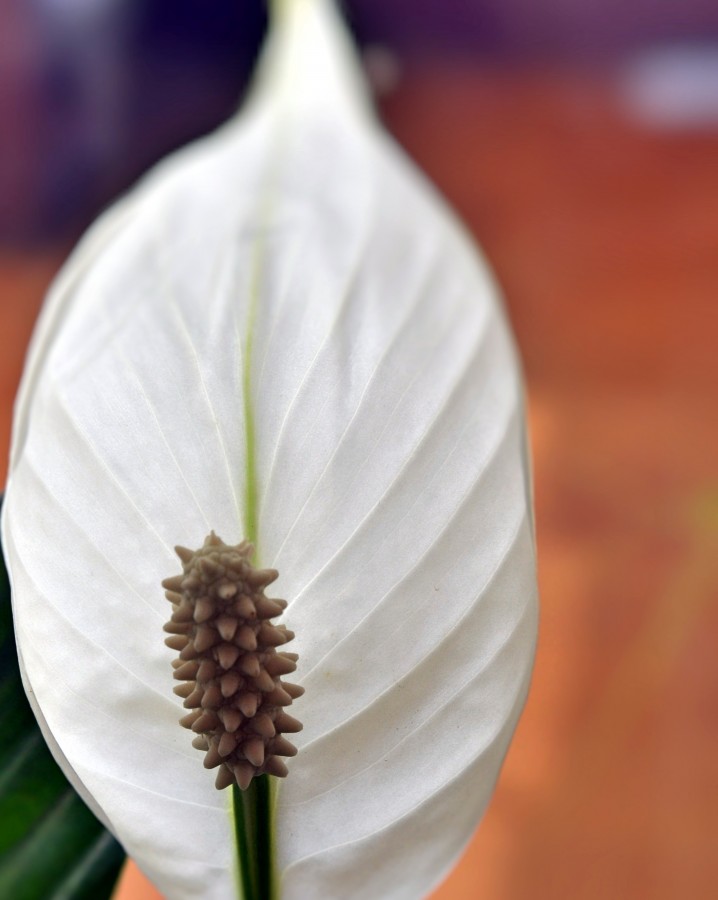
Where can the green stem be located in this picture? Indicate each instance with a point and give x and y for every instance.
(253, 829)
(246, 868)
(252, 809)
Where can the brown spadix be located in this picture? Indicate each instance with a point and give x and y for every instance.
(229, 661)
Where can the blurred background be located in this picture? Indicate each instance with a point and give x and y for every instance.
(578, 139)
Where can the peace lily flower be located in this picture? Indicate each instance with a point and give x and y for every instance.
(281, 334)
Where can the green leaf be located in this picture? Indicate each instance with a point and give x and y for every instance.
(51, 846)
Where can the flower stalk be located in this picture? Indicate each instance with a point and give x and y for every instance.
(254, 830)
(231, 674)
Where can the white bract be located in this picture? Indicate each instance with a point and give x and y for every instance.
(296, 269)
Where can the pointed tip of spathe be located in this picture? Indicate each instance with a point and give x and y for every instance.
(310, 53)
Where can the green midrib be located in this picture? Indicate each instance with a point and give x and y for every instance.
(252, 809)
(251, 512)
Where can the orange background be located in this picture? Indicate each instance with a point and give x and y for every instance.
(605, 238)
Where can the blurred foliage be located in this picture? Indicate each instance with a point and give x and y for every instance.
(51, 845)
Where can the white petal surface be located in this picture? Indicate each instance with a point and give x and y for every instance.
(296, 245)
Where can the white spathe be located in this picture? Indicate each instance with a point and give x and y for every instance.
(296, 246)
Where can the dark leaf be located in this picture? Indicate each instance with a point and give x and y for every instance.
(51, 846)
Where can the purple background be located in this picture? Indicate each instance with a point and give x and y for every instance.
(93, 91)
